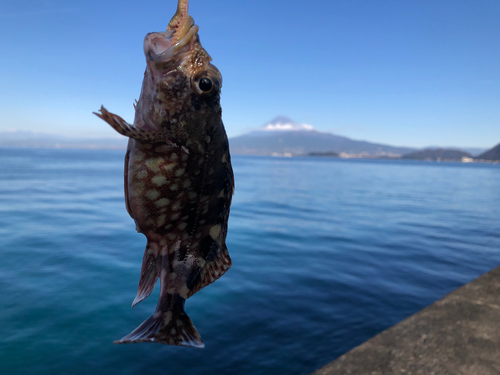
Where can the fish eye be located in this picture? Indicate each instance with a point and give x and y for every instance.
(205, 84)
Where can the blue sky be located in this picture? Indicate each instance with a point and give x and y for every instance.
(401, 72)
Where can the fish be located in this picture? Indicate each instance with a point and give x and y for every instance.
(179, 181)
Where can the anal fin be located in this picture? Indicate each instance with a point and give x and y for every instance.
(149, 275)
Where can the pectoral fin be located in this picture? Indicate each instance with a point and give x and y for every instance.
(122, 127)
(128, 130)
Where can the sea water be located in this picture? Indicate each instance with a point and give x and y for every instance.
(326, 254)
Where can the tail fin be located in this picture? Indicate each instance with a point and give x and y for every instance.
(166, 328)
(149, 275)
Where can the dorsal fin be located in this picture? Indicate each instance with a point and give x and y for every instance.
(216, 264)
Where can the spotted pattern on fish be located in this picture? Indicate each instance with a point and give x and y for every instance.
(178, 178)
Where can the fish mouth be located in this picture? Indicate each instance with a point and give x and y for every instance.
(162, 46)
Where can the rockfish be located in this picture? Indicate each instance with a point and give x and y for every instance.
(178, 178)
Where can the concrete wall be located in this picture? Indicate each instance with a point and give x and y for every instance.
(458, 335)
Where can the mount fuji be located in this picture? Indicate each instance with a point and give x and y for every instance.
(283, 136)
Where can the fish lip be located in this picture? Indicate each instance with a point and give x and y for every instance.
(161, 47)
(171, 50)
(186, 39)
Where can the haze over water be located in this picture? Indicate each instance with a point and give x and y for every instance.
(326, 253)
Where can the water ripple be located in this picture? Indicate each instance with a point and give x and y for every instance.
(326, 253)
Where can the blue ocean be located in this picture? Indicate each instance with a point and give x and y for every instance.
(326, 254)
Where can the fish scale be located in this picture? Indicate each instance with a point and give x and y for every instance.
(178, 178)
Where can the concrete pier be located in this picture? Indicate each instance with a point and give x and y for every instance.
(457, 335)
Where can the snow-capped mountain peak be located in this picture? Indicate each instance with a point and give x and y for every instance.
(284, 123)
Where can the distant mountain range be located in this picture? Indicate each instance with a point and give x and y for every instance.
(40, 140)
(283, 136)
(279, 137)
(438, 154)
(490, 155)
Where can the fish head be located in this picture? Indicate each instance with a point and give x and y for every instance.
(180, 85)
